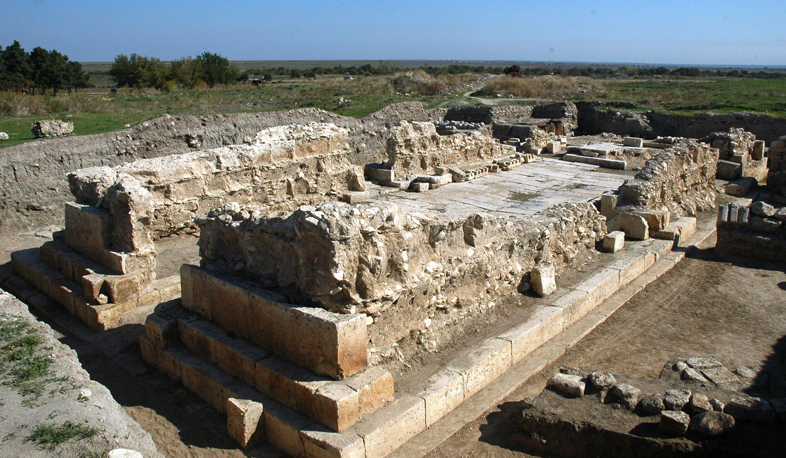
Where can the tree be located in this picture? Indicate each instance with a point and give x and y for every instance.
(17, 67)
(513, 70)
(216, 69)
(185, 71)
(138, 71)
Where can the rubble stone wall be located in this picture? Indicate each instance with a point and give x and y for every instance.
(32, 189)
(151, 198)
(397, 267)
(681, 180)
(776, 178)
(593, 119)
(416, 147)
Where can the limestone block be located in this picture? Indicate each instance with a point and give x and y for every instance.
(757, 153)
(728, 170)
(440, 170)
(321, 444)
(355, 180)
(742, 215)
(381, 175)
(614, 241)
(543, 279)
(629, 395)
(123, 288)
(554, 147)
(740, 187)
(327, 343)
(229, 306)
(723, 213)
(750, 410)
(161, 330)
(608, 202)
(282, 429)
(238, 357)
(169, 364)
(402, 420)
(187, 287)
(657, 220)
(484, 364)
(634, 226)
(444, 391)
(200, 301)
(88, 229)
(531, 334)
(245, 421)
(291, 385)
(418, 186)
(199, 337)
(149, 351)
(374, 387)
(336, 406)
(570, 385)
(633, 141)
(457, 174)
(600, 286)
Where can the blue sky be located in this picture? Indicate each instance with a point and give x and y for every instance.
(669, 32)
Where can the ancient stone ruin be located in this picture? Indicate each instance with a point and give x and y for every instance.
(330, 254)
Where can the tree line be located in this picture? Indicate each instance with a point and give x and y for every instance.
(138, 72)
(631, 72)
(39, 70)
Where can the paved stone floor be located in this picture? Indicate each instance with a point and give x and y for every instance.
(522, 191)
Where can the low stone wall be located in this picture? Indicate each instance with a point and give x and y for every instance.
(416, 148)
(594, 119)
(756, 231)
(776, 178)
(127, 208)
(397, 267)
(681, 180)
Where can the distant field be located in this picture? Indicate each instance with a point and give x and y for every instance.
(96, 110)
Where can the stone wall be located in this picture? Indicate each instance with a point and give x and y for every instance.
(32, 189)
(593, 119)
(416, 147)
(681, 180)
(756, 231)
(776, 178)
(134, 204)
(396, 267)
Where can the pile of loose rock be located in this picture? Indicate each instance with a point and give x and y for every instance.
(681, 410)
(51, 128)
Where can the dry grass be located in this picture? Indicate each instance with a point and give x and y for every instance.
(540, 87)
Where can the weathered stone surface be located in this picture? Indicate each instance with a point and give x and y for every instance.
(676, 399)
(245, 421)
(570, 385)
(628, 394)
(740, 187)
(416, 147)
(51, 128)
(700, 363)
(543, 279)
(608, 201)
(680, 179)
(750, 410)
(699, 403)
(634, 226)
(717, 405)
(711, 424)
(757, 152)
(602, 379)
(633, 141)
(728, 170)
(3, 136)
(692, 374)
(763, 209)
(719, 375)
(674, 423)
(652, 404)
(614, 241)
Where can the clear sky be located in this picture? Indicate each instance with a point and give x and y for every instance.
(668, 32)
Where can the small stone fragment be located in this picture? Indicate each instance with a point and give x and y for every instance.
(717, 405)
(614, 241)
(699, 403)
(680, 366)
(711, 424)
(705, 362)
(652, 404)
(762, 209)
(124, 453)
(674, 423)
(543, 279)
(628, 394)
(572, 370)
(602, 379)
(745, 372)
(692, 374)
(750, 410)
(676, 399)
(570, 385)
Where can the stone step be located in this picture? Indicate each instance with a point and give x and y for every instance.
(327, 343)
(70, 294)
(336, 404)
(282, 427)
(97, 279)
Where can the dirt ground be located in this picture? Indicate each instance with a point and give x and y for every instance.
(731, 309)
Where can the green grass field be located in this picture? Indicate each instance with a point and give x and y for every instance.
(96, 110)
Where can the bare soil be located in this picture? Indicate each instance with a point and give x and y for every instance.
(731, 309)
